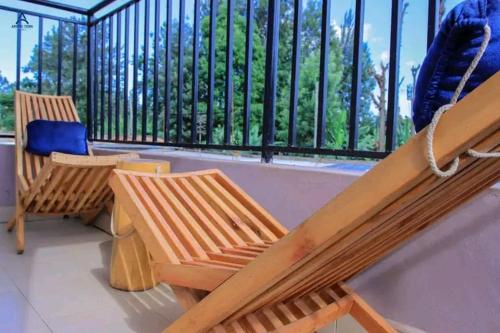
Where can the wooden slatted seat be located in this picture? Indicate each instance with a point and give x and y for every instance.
(210, 228)
(60, 184)
(297, 284)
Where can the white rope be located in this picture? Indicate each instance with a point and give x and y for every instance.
(114, 233)
(437, 115)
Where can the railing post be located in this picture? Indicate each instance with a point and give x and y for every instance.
(357, 70)
(432, 21)
(393, 103)
(90, 80)
(270, 80)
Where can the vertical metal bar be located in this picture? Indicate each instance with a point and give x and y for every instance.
(247, 102)
(59, 56)
(393, 96)
(168, 72)
(269, 112)
(294, 93)
(155, 70)
(357, 70)
(90, 78)
(103, 65)
(211, 71)
(117, 76)
(180, 71)
(144, 127)
(110, 78)
(125, 75)
(75, 59)
(323, 74)
(196, 53)
(432, 21)
(40, 54)
(228, 100)
(18, 56)
(95, 87)
(135, 84)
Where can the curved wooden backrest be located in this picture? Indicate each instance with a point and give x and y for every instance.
(31, 107)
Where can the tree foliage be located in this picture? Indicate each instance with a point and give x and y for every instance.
(340, 69)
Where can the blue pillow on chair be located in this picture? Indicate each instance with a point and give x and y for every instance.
(451, 53)
(45, 137)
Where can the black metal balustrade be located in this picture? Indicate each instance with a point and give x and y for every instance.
(129, 118)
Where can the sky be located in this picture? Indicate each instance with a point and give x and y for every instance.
(376, 32)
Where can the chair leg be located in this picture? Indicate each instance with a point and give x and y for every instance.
(11, 224)
(20, 233)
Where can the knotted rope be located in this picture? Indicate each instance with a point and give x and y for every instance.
(437, 115)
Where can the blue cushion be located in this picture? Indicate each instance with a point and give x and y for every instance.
(450, 54)
(45, 137)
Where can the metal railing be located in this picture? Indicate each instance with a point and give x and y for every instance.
(117, 112)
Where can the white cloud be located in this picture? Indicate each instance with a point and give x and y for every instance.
(410, 63)
(337, 30)
(367, 30)
(404, 104)
(384, 56)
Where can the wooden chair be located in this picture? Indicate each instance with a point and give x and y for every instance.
(258, 283)
(60, 184)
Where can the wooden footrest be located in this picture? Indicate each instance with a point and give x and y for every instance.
(307, 314)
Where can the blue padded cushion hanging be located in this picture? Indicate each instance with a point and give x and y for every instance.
(45, 137)
(451, 53)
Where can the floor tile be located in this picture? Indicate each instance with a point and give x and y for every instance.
(17, 315)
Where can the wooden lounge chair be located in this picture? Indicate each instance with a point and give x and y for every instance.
(297, 283)
(60, 184)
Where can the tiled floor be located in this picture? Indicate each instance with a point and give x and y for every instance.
(60, 284)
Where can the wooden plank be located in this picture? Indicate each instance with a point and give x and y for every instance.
(201, 237)
(150, 233)
(165, 229)
(170, 218)
(201, 218)
(58, 194)
(225, 211)
(243, 213)
(204, 277)
(72, 189)
(219, 223)
(253, 206)
(286, 288)
(366, 315)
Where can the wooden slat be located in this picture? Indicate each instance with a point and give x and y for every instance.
(202, 238)
(150, 233)
(71, 191)
(201, 218)
(218, 222)
(202, 277)
(253, 206)
(225, 211)
(156, 217)
(171, 218)
(243, 213)
(59, 193)
(101, 177)
(368, 249)
(285, 289)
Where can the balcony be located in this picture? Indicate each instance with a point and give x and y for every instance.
(293, 100)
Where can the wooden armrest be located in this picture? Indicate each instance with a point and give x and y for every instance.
(88, 161)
